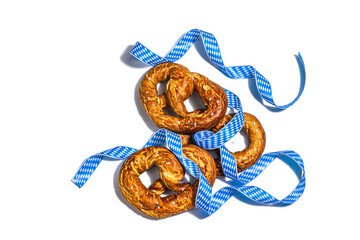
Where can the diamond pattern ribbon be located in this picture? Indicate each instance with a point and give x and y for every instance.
(208, 140)
(213, 52)
(205, 200)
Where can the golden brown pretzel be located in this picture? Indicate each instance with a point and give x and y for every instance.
(254, 130)
(171, 172)
(180, 86)
(186, 139)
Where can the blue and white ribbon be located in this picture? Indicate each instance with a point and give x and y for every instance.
(205, 139)
(208, 140)
(205, 200)
(162, 137)
(213, 52)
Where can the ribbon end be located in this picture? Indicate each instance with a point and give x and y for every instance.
(300, 57)
(78, 182)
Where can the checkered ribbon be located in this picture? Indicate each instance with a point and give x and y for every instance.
(162, 137)
(208, 140)
(254, 193)
(213, 52)
(205, 200)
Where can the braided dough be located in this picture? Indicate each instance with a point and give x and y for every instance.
(254, 130)
(180, 87)
(171, 172)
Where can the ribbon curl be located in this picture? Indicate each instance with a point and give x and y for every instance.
(212, 49)
(205, 200)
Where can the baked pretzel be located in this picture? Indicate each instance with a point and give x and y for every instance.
(171, 172)
(186, 139)
(180, 87)
(255, 132)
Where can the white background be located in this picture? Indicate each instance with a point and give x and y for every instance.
(68, 90)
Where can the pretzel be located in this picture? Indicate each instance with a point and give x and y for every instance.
(180, 87)
(186, 139)
(171, 172)
(255, 132)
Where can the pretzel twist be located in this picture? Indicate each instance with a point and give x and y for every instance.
(180, 87)
(171, 172)
(257, 138)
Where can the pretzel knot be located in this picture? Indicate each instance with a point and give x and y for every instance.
(171, 173)
(180, 86)
(254, 130)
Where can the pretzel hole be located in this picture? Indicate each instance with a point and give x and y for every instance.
(188, 178)
(230, 111)
(194, 102)
(161, 87)
(215, 153)
(238, 142)
(150, 176)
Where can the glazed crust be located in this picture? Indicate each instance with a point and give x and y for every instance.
(171, 172)
(257, 138)
(186, 139)
(180, 86)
